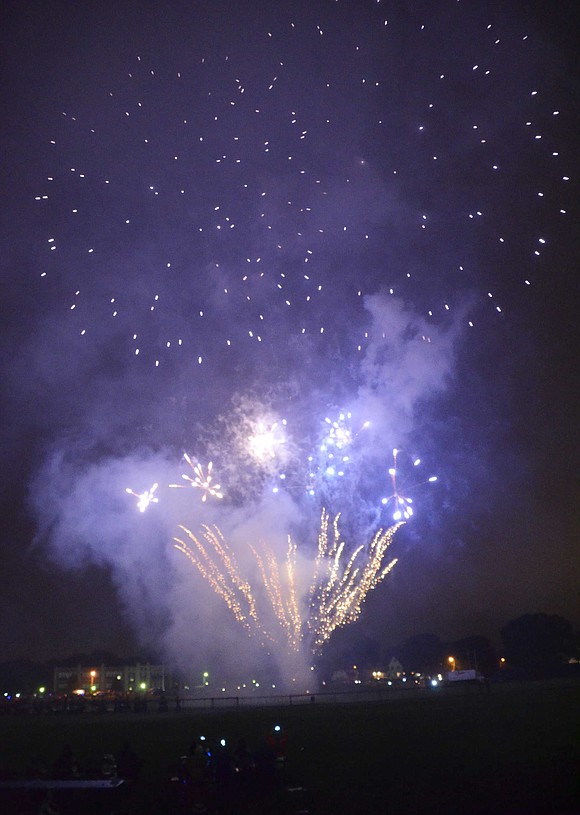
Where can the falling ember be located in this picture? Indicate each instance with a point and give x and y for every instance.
(290, 614)
(341, 583)
(200, 481)
(144, 498)
(217, 564)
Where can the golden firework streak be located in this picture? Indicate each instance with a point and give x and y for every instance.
(337, 590)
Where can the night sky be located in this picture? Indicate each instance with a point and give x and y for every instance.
(227, 218)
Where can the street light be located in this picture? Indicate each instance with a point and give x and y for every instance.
(451, 661)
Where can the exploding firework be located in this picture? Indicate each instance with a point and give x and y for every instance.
(266, 442)
(340, 434)
(144, 499)
(335, 453)
(200, 481)
(403, 503)
(341, 583)
(294, 614)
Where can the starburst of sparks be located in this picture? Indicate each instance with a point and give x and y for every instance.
(144, 499)
(403, 503)
(265, 443)
(340, 433)
(201, 480)
(334, 453)
(338, 587)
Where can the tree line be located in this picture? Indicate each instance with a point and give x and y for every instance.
(533, 646)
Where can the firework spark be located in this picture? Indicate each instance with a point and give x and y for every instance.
(265, 443)
(144, 499)
(217, 564)
(334, 454)
(342, 583)
(200, 481)
(340, 433)
(281, 591)
(403, 503)
(294, 615)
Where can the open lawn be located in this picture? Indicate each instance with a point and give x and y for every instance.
(513, 750)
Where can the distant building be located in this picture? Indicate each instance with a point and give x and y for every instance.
(111, 679)
(394, 669)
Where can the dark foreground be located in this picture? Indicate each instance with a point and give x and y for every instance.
(513, 750)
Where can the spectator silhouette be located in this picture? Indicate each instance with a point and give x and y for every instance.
(128, 763)
(65, 766)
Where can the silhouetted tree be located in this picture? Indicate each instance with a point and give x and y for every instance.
(474, 652)
(537, 643)
(345, 650)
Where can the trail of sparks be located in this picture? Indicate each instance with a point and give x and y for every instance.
(334, 596)
(282, 593)
(217, 564)
(339, 590)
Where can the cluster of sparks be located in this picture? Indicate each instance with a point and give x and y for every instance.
(294, 615)
(246, 152)
(334, 454)
(265, 443)
(403, 503)
(144, 499)
(333, 459)
(342, 582)
(201, 480)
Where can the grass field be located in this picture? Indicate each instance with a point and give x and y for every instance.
(513, 750)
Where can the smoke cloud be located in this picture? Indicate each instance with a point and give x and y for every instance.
(85, 515)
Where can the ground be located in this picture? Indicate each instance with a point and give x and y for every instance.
(513, 749)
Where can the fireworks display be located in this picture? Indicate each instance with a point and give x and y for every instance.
(293, 240)
(333, 597)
